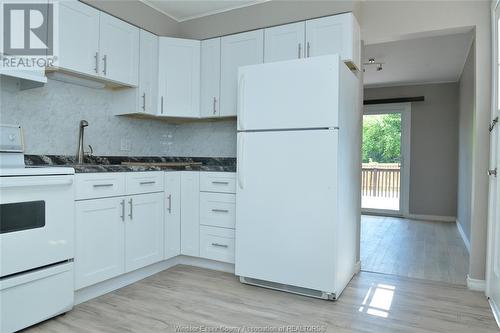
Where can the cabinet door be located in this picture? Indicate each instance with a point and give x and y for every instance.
(334, 34)
(119, 50)
(284, 42)
(190, 213)
(148, 73)
(143, 230)
(78, 38)
(179, 78)
(99, 230)
(210, 77)
(237, 50)
(172, 214)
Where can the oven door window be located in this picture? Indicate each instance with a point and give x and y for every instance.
(22, 216)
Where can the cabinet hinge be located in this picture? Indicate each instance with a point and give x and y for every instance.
(492, 172)
(493, 123)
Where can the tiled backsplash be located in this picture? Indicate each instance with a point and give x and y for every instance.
(50, 116)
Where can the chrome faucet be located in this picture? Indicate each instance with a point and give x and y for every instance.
(80, 153)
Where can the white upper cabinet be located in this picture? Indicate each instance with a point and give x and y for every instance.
(335, 34)
(119, 50)
(210, 78)
(98, 45)
(78, 38)
(179, 78)
(284, 42)
(237, 50)
(148, 74)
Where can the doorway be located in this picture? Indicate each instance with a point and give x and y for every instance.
(386, 159)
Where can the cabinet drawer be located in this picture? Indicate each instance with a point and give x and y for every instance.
(224, 182)
(99, 185)
(218, 209)
(144, 182)
(217, 244)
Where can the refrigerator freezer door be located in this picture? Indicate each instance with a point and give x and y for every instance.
(293, 94)
(286, 207)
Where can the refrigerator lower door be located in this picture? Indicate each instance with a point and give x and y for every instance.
(286, 207)
(294, 94)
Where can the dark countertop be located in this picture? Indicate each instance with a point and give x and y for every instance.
(113, 163)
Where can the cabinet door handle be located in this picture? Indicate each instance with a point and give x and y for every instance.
(308, 49)
(216, 182)
(148, 182)
(96, 57)
(144, 101)
(131, 209)
(220, 245)
(215, 102)
(122, 216)
(220, 210)
(300, 50)
(169, 203)
(102, 185)
(105, 65)
(161, 105)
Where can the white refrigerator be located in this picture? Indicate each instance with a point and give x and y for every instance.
(299, 169)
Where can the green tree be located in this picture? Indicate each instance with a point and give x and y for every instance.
(382, 138)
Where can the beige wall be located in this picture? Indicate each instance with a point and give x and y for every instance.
(263, 15)
(139, 14)
(465, 143)
(434, 147)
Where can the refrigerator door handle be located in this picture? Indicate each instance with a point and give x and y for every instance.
(240, 111)
(239, 161)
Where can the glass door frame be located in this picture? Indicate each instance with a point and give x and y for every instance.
(492, 269)
(404, 197)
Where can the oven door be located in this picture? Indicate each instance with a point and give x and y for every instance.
(36, 222)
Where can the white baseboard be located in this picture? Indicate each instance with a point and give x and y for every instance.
(495, 310)
(99, 289)
(435, 218)
(357, 267)
(475, 284)
(463, 235)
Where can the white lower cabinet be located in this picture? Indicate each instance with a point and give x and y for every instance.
(172, 214)
(190, 213)
(143, 230)
(117, 234)
(100, 240)
(217, 243)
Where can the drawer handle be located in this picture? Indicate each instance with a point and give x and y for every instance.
(103, 185)
(147, 183)
(220, 210)
(220, 245)
(220, 183)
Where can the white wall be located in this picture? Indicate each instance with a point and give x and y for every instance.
(50, 116)
(466, 128)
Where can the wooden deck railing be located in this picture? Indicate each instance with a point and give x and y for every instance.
(381, 180)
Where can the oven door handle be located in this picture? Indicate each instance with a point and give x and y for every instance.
(10, 182)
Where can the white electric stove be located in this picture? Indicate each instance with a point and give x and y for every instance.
(36, 237)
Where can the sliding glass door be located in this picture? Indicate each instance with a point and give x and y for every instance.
(385, 169)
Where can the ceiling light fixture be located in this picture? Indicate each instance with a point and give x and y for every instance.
(371, 62)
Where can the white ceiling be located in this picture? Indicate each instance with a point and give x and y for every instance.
(422, 60)
(190, 9)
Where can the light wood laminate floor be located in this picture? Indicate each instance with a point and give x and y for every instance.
(186, 295)
(418, 249)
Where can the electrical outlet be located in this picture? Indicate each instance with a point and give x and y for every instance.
(125, 144)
